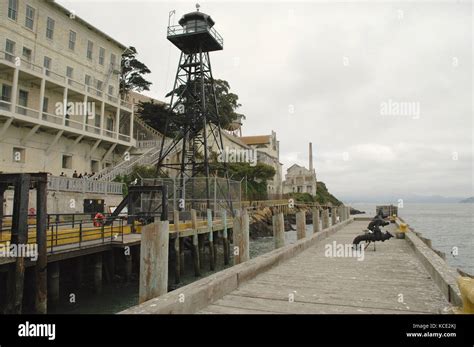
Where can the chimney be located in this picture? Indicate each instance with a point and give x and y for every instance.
(310, 157)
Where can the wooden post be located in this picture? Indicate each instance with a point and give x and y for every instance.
(316, 226)
(195, 249)
(225, 241)
(41, 295)
(154, 261)
(211, 240)
(177, 252)
(53, 283)
(237, 235)
(242, 234)
(333, 215)
(78, 272)
(278, 230)
(325, 218)
(2, 193)
(128, 267)
(300, 225)
(19, 237)
(98, 273)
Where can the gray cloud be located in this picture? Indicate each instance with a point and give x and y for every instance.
(335, 64)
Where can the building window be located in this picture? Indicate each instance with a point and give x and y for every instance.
(110, 123)
(27, 53)
(113, 59)
(45, 104)
(101, 55)
(12, 9)
(22, 101)
(47, 65)
(19, 155)
(30, 17)
(67, 161)
(50, 28)
(23, 98)
(6, 97)
(97, 120)
(99, 85)
(69, 71)
(90, 47)
(111, 90)
(87, 80)
(6, 93)
(72, 40)
(10, 50)
(94, 166)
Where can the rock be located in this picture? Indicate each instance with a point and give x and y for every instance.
(354, 211)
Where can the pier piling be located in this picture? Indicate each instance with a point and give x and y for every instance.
(211, 240)
(225, 238)
(41, 283)
(176, 245)
(325, 218)
(154, 260)
(278, 230)
(98, 273)
(300, 225)
(195, 246)
(333, 215)
(53, 283)
(316, 226)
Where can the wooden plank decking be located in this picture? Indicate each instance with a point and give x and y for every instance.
(389, 280)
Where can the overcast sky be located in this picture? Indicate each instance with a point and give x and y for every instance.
(382, 90)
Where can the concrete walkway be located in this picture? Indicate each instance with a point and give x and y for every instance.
(389, 280)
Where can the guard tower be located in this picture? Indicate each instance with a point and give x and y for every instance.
(193, 104)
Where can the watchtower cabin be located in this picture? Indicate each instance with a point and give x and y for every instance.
(195, 33)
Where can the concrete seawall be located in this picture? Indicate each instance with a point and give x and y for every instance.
(442, 274)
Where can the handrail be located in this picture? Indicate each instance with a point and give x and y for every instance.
(175, 30)
(86, 185)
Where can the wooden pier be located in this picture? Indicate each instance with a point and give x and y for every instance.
(403, 275)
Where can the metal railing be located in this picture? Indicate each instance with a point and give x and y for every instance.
(176, 30)
(84, 185)
(148, 143)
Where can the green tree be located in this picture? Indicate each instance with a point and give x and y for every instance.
(227, 102)
(133, 70)
(156, 114)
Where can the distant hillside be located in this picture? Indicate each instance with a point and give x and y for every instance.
(468, 200)
(323, 196)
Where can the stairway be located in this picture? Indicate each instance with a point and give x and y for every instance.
(150, 157)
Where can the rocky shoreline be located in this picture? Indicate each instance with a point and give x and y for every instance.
(261, 221)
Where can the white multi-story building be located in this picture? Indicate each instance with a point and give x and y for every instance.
(299, 179)
(60, 109)
(268, 152)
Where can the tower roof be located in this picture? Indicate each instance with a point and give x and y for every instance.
(196, 15)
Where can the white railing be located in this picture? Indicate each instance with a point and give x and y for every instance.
(52, 118)
(27, 111)
(148, 143)
(84, 185)
(5, 105)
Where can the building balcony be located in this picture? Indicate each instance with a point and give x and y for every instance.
(111, 120)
